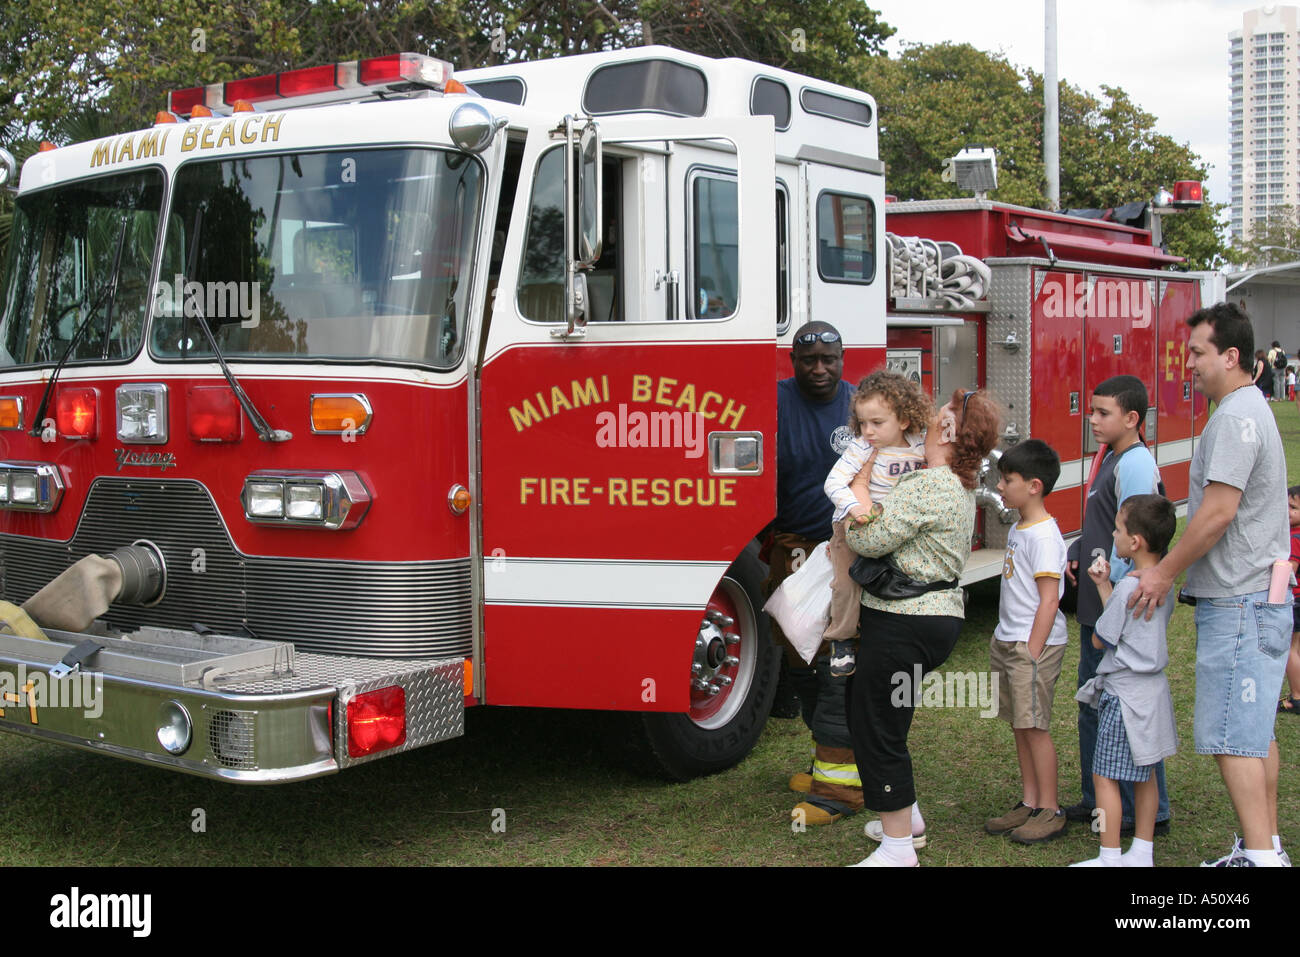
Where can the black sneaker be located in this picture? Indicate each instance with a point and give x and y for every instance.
(1078, 813)
(844, 658)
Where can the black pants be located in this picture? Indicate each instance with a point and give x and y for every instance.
(880, 702)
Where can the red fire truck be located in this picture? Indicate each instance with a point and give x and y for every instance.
(381, 393)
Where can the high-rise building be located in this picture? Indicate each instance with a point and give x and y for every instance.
(1263, 133)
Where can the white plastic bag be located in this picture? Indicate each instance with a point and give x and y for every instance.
(802, 605)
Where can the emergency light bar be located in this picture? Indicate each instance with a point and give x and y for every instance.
(315, 85)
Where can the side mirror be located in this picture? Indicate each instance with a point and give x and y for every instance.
(589, 196)
(582, 219)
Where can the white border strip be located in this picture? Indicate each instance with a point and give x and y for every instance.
(599, 582)
(1071, 475)
(1171, 453)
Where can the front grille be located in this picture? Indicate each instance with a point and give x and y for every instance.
(388, 610)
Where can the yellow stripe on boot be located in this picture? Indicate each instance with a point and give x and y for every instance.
(843, 774)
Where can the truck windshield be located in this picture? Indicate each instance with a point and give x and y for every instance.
(61, 255)
(357, 254)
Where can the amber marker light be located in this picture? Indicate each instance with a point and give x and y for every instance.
(11, 412)
(468, 684)
(455, 86)
(340, 413)
(163, 117)
(459, 499)
(46, 146)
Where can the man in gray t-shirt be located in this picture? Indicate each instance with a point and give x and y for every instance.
(1236, 528)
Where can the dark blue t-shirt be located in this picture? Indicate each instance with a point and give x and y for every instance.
(810, 436)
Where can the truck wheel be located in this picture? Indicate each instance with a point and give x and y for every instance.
(733, 682)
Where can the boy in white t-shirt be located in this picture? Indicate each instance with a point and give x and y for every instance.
(1028, 645)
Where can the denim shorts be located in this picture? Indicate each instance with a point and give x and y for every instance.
(1241, 652)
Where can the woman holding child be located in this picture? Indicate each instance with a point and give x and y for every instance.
(925, 528)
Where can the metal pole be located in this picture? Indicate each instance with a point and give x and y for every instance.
(1051, 110)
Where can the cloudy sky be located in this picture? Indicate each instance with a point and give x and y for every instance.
(1170, 56)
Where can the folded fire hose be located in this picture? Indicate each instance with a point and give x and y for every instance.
(82, 593)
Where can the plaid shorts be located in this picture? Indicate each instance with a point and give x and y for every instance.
(1114, 758)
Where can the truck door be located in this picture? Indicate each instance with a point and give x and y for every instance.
(624, 468)
(846, 259)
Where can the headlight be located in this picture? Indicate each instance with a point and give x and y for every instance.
(264, 499)
(175, 729)
(332, 500)
(30, 486)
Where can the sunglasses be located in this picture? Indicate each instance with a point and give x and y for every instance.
(808, 338)
(965, 399)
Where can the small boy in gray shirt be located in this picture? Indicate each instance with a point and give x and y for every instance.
(1135, 722)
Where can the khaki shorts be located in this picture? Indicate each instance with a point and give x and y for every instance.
(1025, 686)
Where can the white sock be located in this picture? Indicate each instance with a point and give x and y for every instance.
(897, 850)
(1139, 854)
(918, 822)
(1277, 841)
(1263, 858)
(1109, 857)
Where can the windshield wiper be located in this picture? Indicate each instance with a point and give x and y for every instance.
(109, 293)
(264, 431)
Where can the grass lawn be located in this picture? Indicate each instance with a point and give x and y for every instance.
(556, 798)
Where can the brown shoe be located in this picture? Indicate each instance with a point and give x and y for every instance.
(1008, 822)
(1043, 825)
(801, 782)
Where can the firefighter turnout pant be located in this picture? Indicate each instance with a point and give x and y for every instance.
(822, 696)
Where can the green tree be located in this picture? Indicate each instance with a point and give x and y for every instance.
(1272, 241)
(124, 58)
(934, 100)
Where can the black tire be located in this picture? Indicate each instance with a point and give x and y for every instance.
(684, 746)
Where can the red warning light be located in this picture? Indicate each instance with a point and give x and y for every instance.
(1188, 194)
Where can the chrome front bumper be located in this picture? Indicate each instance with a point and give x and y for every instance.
(257, 722)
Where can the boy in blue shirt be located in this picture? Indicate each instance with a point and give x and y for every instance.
(1119, 407)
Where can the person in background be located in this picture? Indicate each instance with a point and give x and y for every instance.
(1264, 374)
(1277, 359)
(1290, 704)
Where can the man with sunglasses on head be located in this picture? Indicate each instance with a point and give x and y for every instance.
(811, 432)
